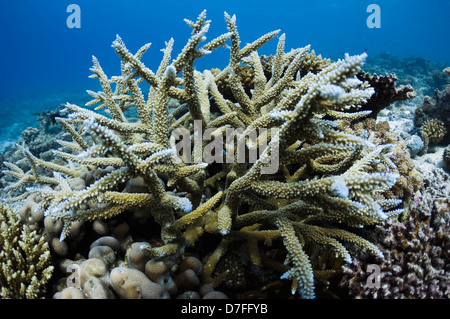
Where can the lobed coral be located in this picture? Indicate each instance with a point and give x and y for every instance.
(309, 185)
(436, 108)
(25, 260)
(432, 131)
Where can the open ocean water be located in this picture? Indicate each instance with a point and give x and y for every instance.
(45, 62)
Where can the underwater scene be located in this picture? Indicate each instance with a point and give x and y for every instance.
(240, 150)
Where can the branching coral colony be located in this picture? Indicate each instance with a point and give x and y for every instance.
(321, 190)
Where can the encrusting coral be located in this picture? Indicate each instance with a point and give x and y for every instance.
(308, 185)
(25, 261)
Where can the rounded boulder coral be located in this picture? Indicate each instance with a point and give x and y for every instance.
(131, 283)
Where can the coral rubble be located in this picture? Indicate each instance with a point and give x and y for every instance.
(290, 207)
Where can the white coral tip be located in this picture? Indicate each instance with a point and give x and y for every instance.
(170, 72)
(280, 115)
(381, 214)
(339, 188)
(185, 204)
(331, 91)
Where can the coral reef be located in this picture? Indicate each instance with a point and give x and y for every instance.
(446, 158)
(439, 78)
(418, 72)
(291, 207)
(416, 263)
(47, 119)
(436, 108)
(25, 260)
(40, 141)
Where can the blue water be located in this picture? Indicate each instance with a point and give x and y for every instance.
(45, 63)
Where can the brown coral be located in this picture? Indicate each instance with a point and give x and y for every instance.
(311, 63)
(386, 92)
(432, 131)
(437, 108)
(246, 76)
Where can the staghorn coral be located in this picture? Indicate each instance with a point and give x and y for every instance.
(397, 156)
(416, 251)
(24, 260)
(310, 63)
(310, 183)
